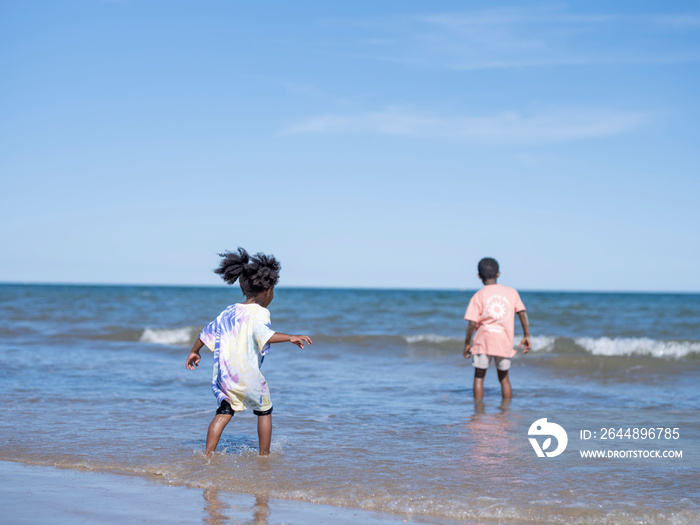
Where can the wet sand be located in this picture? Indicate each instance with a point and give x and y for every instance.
(32, 494)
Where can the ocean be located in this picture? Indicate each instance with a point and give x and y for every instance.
(377, 414)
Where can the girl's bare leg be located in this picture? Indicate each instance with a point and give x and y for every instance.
(216, 427)
(265, 433)
(506, 390)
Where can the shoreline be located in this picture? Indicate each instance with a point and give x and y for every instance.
(32, 494)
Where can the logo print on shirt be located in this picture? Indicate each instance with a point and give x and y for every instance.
(497, 307)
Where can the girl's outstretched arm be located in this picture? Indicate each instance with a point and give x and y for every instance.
(298, 340)
(194, 357)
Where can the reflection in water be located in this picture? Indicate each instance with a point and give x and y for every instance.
(215, 508)
(261, 511)
(488, 440)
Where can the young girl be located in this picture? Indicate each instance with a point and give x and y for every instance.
(240, 337)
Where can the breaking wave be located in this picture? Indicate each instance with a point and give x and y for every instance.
(601, 346)
(642, 346)
(429, 338)
(169, 336)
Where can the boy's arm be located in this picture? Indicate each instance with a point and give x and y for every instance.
(471, 328)
(299, 340)
(194, 357)
(525, 343)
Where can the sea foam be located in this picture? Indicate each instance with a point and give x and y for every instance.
(428, 338)
(627, 346)
(171, 336)
(541, 342)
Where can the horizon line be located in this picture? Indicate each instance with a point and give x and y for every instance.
(356, 288)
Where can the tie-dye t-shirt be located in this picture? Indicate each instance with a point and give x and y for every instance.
(493, 309)
(239, 339)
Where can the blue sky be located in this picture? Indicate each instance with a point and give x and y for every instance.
(365, 144)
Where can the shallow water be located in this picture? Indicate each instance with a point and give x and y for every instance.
(377, 414)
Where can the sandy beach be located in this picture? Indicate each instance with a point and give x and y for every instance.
(36, 494)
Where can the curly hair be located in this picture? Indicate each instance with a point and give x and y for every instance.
(488, 268)
(255, 274)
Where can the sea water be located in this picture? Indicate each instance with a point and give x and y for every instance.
(378, 412)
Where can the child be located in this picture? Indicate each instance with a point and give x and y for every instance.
(491, 313)
(240, 338)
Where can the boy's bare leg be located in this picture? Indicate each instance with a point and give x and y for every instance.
(479, 374)
(506, 390)
(216, 427)
(265, 433)
(478, 388)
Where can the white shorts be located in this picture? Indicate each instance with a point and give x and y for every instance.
(483, 361)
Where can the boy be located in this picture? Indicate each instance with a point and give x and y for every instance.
(491, 314)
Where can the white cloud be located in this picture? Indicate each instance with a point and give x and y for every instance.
(549, 126)
(684, 21)
(532, 37)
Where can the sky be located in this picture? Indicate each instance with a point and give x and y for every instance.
(365, 144)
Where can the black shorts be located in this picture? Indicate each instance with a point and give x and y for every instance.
(225, 408)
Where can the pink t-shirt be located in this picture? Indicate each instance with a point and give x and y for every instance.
(493, 309)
